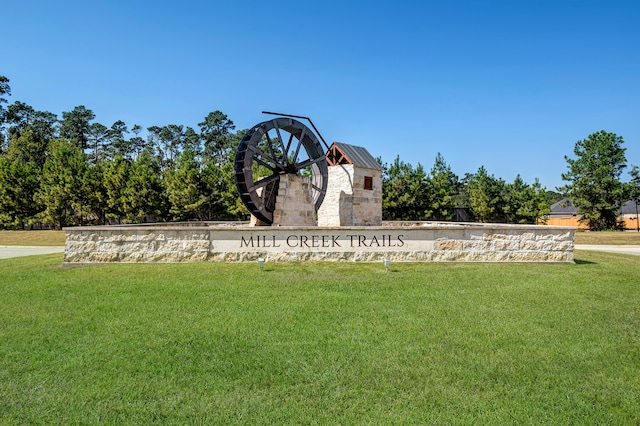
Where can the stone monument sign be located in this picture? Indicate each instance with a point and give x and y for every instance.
(313, 206)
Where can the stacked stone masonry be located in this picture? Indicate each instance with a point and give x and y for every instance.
(294, 203)
(417, 242)
(347, 202)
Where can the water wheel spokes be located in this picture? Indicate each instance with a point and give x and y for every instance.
(263, 157)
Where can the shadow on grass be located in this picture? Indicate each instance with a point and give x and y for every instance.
(583, 262)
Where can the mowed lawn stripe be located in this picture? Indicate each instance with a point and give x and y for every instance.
(321, 342)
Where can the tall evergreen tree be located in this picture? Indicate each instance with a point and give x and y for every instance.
(404, 192)
(19, 117)
(94, 193)
(442, 189)
(5, 89)
(75, 126)
(524, 203)
(116, 176)
(61, 184)
(184, 188)
(634, 184)
(28, 147)
(137, 143)
(485, 196)
(633, 192)
(97, 142)
(216, 135)
(144, 192)
(19, 180)
(594, 179)
(117, 142)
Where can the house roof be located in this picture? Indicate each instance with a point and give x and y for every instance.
(342, 153)
(565, 207)
(630, 207)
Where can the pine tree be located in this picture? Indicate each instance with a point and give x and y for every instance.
(61, 184)
(594, 179)
(443, 184)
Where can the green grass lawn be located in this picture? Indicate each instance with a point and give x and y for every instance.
(336, 343)
(32, 238)
(607, 237)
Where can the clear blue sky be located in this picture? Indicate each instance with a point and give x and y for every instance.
(511, 85)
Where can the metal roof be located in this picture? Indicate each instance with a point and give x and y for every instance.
(357, 155)
(566, 207)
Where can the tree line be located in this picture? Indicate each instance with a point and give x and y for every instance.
(74, 170)
(412, 193)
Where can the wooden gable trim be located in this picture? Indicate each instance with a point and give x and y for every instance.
(336, 157)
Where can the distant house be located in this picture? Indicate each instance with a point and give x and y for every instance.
(564, 213)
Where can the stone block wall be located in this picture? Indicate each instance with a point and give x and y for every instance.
(367, 204)
(132, 244)
(294, 203)
(399, 242)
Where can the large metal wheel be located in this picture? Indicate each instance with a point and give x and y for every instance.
(268, 151)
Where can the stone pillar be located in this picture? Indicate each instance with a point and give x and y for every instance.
(347, 202)
(337, 207)
(294, 203)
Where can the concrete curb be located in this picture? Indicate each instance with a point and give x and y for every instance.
(8, 252)
(630, 249)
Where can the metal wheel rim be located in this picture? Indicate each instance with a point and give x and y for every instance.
(277, 146)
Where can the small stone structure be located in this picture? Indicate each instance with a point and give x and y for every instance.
(354, 189)
(399, 242)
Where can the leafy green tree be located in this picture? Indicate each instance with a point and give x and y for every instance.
(216, 135)
(485, 196)
(19, 180)
(61, 184)
(442, 189)
(75, 126)
(144, 192)
(404, 192)
(594, 179)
